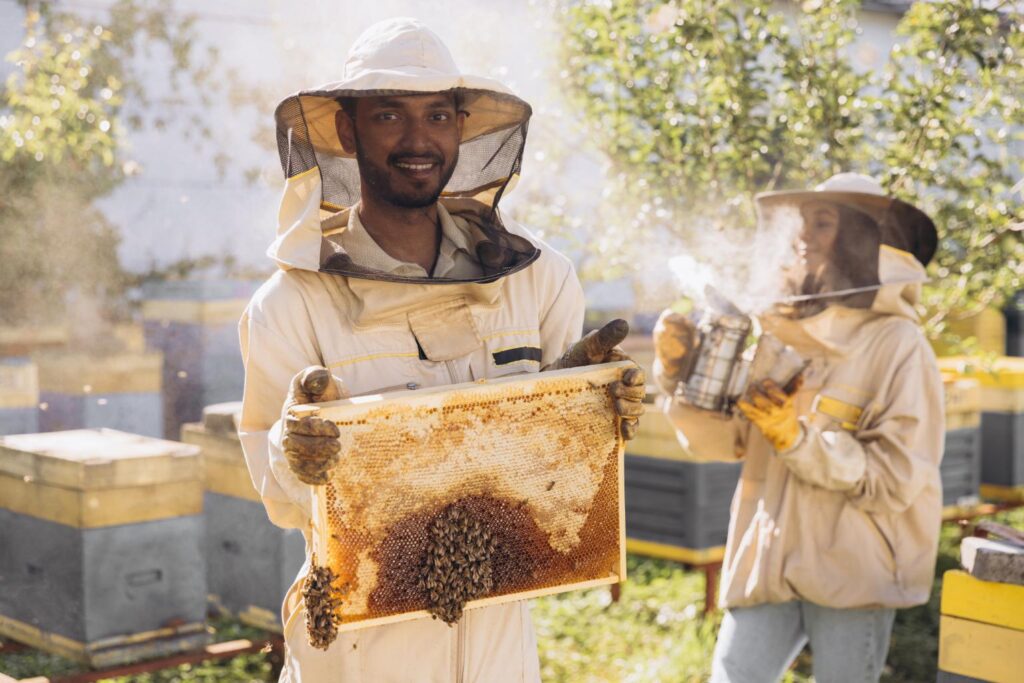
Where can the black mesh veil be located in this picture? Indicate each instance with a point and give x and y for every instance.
(486, 161)
(490, 155)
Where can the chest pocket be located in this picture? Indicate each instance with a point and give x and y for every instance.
(510, 351)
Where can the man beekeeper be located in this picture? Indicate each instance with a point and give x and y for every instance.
(386, 284)
(835, 521)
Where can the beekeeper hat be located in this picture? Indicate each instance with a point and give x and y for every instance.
(403, 57)
(901, 225)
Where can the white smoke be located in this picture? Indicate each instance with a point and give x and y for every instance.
(746, 267)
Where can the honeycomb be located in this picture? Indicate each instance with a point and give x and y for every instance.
(473, 494)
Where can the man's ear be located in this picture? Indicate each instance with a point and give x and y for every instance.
(346, 131)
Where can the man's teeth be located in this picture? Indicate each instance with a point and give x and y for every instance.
(414, 167)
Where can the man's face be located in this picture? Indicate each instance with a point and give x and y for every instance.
(818, 234)
(406, 146)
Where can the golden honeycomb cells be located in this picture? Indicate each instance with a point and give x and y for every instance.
(473, 494)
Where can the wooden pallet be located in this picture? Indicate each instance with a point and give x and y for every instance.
(273, 646)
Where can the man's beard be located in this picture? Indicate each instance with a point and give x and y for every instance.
(378, 179)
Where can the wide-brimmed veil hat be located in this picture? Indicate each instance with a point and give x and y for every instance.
(401, 56)
(901, 225)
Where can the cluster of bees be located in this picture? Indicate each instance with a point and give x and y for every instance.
(322, 604)
(457, 564)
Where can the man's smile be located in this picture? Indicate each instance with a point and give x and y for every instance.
(417, 166)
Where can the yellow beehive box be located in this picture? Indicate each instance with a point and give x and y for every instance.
(250, 563)
(117, 390)
(19, 396)
(962, 401)
(223, 463)
(1002, 421)
(469, 495)
(25, 340)
(101, 558)
(987, 327)
(1001, 379)
(981, 630)
(89, 478)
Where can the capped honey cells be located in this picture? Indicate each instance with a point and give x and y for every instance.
(450, 498)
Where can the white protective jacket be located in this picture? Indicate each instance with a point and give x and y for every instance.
(366, 331)
(850, 516)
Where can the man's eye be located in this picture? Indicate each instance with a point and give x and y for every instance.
(387, 116)
(441, 116)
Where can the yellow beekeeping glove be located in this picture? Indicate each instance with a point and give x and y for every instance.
(773, 411)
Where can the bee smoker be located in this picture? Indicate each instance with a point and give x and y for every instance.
(718, 367)
(724, 365)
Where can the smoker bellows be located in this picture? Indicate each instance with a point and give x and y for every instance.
(472, 494)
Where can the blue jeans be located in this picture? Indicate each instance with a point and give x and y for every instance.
(759, 643)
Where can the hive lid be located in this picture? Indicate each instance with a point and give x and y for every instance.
(222, 417)
(97, 459)
(522, 473)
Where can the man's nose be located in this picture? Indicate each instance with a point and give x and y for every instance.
(415, 137)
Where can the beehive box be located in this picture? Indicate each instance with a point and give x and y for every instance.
(19, 396)
(101, 534)
(24, 340)
(195, 324)
(986, 327)
(981, 630)
(250, 563)
(468, 495)
(676, 508)
(961, 460)
(1002, 421)
(117, 390)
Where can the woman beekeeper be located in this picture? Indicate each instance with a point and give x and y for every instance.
(835, 520)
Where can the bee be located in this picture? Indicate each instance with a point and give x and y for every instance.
(322, 603)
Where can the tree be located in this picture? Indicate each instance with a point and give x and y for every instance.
(700, 104)
(64, 112)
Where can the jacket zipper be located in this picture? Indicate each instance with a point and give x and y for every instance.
(453, 375)
(460, 629)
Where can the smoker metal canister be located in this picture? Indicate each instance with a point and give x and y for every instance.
(722, 339)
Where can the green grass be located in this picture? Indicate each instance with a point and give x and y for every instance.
(656, 632)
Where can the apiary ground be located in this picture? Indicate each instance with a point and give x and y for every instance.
(655, 633)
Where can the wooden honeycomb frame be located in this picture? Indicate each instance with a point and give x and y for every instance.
(541, 453)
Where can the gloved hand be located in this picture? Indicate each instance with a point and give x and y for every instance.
(773, 411)
(601, 346)
(311, 443)
(675, 339)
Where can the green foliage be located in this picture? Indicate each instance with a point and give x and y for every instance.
(656, 632)
(699, 104)
(63, 115)
(952, 126)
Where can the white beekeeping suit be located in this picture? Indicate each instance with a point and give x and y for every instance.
(498, 302)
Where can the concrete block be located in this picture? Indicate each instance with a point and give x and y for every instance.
(991, 560)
